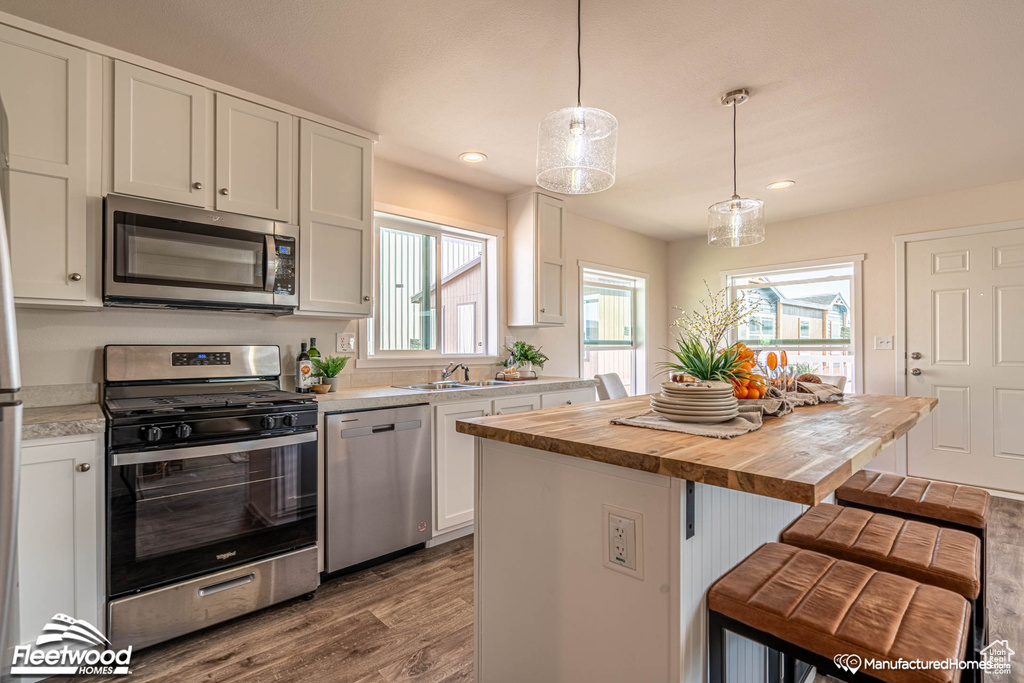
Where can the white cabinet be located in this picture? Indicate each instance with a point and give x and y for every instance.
(571, 397)
(60, 539)
(254, 159)
(46, 88)
(335, 222)
(536, 260)
(160, 141)
(516, 404)
(455, 454)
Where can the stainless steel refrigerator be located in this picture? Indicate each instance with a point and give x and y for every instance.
(10, 419)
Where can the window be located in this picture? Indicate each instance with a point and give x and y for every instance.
(808, 310)
(612, 310)
(433, 287)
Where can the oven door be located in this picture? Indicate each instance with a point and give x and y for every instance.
(162, 253)
(177, 513)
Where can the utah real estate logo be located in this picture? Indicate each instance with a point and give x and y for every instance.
(69, 646)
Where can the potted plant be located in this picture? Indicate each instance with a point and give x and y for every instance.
(523, 356)
(328, 368)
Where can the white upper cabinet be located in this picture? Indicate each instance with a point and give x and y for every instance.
(160, 145)
(45, 89)
(536, 260)
(254, 159)
(335, 222)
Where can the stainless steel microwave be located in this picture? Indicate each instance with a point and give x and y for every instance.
(161, 255)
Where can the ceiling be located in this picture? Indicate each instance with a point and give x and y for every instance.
(860, 102)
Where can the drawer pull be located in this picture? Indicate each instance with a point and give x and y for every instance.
(227, 585)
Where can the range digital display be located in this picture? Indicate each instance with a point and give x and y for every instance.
(200, 358)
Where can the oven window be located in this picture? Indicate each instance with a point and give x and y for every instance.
(160, 251)
(175, 518)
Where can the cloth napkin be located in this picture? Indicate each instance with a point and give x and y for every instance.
(821, 393)
(774, 403)
(746, 421)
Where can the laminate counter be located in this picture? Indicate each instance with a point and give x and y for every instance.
(53, 421)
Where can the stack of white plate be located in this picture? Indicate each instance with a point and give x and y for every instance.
(700, 402)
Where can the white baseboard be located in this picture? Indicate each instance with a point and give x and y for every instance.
(450, 536)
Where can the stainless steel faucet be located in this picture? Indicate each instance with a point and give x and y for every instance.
(450, 370)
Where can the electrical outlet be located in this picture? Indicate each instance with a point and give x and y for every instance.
(883, 343)
(346, 342)
(623, 541)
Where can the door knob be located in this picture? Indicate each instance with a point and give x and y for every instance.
(197, 185)
(84, 467)
(75, 277)
(224, 191)
(915, 371)
(916, 355)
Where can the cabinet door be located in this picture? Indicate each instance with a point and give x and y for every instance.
(160, 146)
(550, 260)
(335, 221)
(60, 544)
(44, 89)
(516, 404)
(455, 454)
(572, 397)
(254, 159)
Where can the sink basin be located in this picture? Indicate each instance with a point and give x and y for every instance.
(485, 383)
(433, 386)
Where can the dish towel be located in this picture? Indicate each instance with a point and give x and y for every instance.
(775, 403)
(812, 394)
(746, 421)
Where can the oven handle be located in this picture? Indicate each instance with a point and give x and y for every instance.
(227, 585)
(163, 455)
(270, 264)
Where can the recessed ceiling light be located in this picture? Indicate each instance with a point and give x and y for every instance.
(781, 184)
(473, 157)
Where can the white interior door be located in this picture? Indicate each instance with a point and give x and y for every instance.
(965, 317)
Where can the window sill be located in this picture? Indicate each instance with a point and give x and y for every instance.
(439, 362)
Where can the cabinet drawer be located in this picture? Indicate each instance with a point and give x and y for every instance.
(557, 399)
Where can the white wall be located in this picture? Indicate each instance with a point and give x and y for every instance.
(65, 347)
(866, 231)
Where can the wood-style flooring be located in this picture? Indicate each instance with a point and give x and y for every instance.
(412, 620)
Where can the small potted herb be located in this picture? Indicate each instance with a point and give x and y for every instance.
(523, 356)
(328, 368)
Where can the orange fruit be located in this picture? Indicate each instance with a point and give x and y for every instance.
(784, 359)
(773, 361)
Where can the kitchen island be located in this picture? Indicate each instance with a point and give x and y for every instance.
(553, 603)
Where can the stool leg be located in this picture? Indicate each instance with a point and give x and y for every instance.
(789, 669)
(774, 666)
(981, 615)
(716, 649)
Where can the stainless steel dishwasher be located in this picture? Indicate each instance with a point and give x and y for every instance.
(377, 484)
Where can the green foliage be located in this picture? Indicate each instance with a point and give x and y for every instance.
(329, 366)
(701, 360)
(521, 353)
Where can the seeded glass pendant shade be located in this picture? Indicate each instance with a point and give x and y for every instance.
(736, 222)
(576, 145)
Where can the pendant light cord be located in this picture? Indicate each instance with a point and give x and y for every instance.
(579, 57)
(734, 107)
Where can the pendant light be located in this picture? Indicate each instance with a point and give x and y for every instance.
(736, 222)
(576, 147)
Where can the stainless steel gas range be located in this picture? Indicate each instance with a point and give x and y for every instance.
(211, 488)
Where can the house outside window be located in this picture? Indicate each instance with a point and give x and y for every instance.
(809, 310)
(434, 297)
(612, 322)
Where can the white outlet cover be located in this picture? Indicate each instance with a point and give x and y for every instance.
(883, 343)
(346, 342)
(636, 544)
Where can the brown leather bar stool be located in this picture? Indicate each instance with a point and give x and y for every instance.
(930, 554)
(814, 608)
(948, 505)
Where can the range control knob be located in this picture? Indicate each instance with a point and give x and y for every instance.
(267, 422)
(291, 419)
(182, 431)
(152, 433)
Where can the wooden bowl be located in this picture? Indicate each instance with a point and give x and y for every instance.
(320, 388)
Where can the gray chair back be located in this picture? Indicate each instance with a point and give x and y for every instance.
(609, 386)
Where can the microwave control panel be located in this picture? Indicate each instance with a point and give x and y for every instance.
(284, 282)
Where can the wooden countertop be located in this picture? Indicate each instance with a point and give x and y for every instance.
(802, 457)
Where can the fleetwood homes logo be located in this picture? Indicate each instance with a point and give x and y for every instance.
(70, 646)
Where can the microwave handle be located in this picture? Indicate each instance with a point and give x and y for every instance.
(270, 264)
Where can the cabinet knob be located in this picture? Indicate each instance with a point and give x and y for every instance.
(224, 191)
(75, 277)
(197, 185)
(84, 467)
(568, 403)
(366, 297)
(543, 310)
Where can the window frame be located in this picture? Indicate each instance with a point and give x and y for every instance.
(856, 315)
(639, 344)
(407, 220)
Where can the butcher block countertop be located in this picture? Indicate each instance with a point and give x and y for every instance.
(802, 457)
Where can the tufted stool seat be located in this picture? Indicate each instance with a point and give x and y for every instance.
(963, 506)
(812, 607)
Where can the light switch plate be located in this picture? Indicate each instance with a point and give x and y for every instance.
(624, 541)
(883, 343)
(346, 343)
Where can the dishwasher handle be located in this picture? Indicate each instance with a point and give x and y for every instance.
(355, 432)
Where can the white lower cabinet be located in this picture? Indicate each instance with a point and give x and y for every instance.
(516, 404)
(60, 535)
(453, 467)
(572, 397)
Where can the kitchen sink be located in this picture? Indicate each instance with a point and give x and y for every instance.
(450, 385)
(485, 383)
